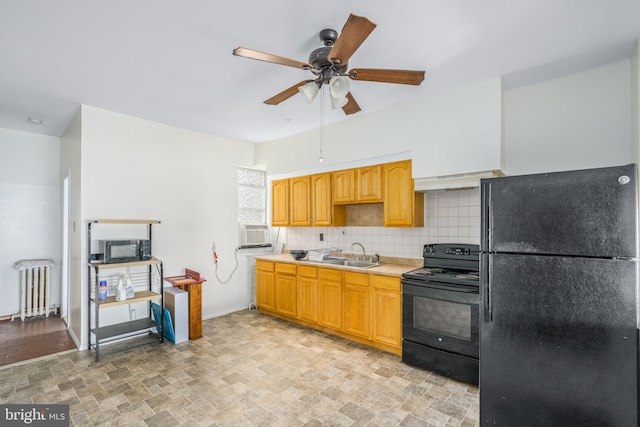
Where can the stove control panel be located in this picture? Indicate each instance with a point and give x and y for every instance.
(440, 250)
(458, 251)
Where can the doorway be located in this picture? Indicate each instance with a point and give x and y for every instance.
(64, 274)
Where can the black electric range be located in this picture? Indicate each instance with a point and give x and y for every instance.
(440, 311)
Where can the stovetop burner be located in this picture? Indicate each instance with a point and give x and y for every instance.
(448, 264)
(468, 276)
(453, 277)
(428, 271)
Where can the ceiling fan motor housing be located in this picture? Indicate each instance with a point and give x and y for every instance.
(328, 36)
(319, 57)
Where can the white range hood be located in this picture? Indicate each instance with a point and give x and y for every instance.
(454, 182)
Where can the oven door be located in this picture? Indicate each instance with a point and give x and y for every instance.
(441, 317)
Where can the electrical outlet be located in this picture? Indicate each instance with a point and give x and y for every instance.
(322, 237)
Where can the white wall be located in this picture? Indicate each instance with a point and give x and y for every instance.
(70, 165)
(448, 133)
(29, 210)
(137, 169)
(578, 121)
(575, 122)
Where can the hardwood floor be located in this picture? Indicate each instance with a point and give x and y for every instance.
(32, 338)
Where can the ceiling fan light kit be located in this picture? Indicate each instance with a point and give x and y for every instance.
(309, 90)
(338, 102)
(329, 65)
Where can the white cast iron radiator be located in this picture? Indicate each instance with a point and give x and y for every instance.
(35, 276)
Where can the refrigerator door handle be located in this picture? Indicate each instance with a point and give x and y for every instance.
(486, 243)
(485, 283)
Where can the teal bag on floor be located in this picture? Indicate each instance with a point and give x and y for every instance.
(167, 328)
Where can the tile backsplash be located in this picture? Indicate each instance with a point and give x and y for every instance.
(451, 216)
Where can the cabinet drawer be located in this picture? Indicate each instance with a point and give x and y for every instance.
(386, 282)
(356, 278)
(285, 268)
(329, 274)
(264, 265)
(306, 271)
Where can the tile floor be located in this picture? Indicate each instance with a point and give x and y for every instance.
(33, 337)
(248, 370)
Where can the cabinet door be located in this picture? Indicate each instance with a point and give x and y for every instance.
(265, 285)
(344, 186)
(308, 299)
(357, 308)
(280, 202)
(300, 200)
(370, 184)
(330, 298)
(286, 290)
(387, 310)
(321, 199)
(286, 294)
(400, 199)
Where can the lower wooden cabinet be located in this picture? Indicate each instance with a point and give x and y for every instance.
(363, 307)
(308, 293)
(386, 294)
(357, 309)
(286, 289)
(265, 285)
(330, 298)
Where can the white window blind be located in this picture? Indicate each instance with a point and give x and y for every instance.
(252, 196)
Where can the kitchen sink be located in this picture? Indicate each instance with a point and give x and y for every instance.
(348, 262)
(360, 264)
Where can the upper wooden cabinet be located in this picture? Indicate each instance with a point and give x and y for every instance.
(369, 181)
(344, 186)
(403, 207)
(280, 202)
(324, 199)
(300, 201)
(359, 185)
(321, 199)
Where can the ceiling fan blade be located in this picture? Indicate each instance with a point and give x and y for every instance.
(405, 77)
(286, 94)
(354, 32)
(351, 106)
(267, 57)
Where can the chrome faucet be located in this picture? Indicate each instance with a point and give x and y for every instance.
(364, 254)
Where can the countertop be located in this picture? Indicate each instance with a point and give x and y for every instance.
(388, 268)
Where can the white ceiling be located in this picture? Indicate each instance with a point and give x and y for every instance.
(171, 61)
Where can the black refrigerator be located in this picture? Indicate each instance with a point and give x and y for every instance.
(559, 299)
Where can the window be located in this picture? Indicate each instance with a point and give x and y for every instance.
(252, 191)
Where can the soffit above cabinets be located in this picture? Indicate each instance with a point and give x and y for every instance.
(454, 182)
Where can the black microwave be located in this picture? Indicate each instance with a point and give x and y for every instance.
(115, 251)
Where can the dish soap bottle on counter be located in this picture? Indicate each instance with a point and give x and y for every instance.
(129, 286)
(121, 292)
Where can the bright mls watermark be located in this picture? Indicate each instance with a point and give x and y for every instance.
(34, 415)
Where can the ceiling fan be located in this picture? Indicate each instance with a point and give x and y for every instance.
(329, 65)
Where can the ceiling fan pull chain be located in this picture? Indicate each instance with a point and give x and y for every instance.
(321, 158)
